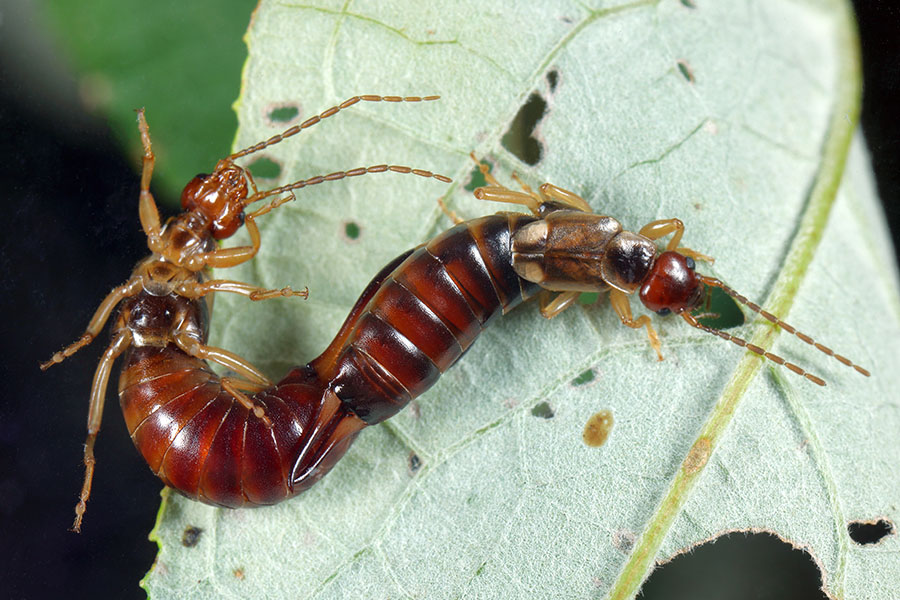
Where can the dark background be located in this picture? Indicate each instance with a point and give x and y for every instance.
(58, 258)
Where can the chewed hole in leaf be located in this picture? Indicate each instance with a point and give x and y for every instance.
(685, 71)
(721, 311)
(265, 168)
(282, 114)
(520, 138)
(552, 80)
(191, 536)
(584, 378)
(477, 179)
(737, 565)
(869, 532)
(413, 463)
(543, 410)
(352, 230)
(588, 298)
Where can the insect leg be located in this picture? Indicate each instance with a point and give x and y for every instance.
(551, 308)
(147, 210)
(551, 192)
(197, 290)
(130, 288)
(622, 306)
(95, 415)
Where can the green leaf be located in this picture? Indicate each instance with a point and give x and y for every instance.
(737, 118)
(179, 60)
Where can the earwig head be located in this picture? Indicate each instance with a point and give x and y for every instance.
(672, 286)
(219, 197)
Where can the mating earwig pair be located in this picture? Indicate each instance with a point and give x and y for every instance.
(242, 441)
(162, 322)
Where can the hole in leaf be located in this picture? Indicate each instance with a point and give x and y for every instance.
(737, 566)
(191, 536)
(477, 179)
(724, 312)
(685, 70)
(265, 168)
(542, 410)
(283, 114)
(688, 3)
(352, 230)
(588, 298)
(519, 138)
(552, 80)
(413, 462)
(597, 428)
(584, 378)
(869, 532)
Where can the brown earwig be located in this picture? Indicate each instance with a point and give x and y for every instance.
(166, 387)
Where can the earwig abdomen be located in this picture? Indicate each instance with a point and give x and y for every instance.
(422, 315)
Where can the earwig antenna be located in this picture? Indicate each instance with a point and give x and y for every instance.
(341, 175)
(328, 113)
(693, 322)
(757, 309)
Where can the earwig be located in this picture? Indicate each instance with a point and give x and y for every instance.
(166, 389)
(425, 309)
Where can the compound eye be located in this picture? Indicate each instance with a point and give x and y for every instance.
(689, 262)
(664, 312)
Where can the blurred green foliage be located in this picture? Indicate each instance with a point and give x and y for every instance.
(181, 61)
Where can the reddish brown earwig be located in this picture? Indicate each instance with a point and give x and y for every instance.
(166, 389)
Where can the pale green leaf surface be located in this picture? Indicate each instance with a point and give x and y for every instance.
(505, 503)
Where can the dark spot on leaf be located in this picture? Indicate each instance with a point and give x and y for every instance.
(191, 536)
(265, 168)
(542, 410)
(413, 462)
(552, 80)
(737, 565)
(623, 539)
(584, 378)
(689, 3)
(283, 114)
(519, 138)
(351, 230)
(721, 311)
(869, 532)
(480, 569)
(685, 70)
(597, 428)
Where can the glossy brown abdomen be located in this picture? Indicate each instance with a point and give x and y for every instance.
(199, 440)
(422, 315)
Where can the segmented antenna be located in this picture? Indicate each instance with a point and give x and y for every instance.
(328, 113)
(756, 308)
(337, 176)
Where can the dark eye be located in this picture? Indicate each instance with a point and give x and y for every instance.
(664, 312)
(689, 262)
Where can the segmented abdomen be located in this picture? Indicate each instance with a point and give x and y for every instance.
(199, 440)
(416, 320)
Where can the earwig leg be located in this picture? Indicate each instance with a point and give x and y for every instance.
(231, 257)
(551, 308)
(451, 214)
(197, 290)
(234, 386)
(551, 192)
(225, 358)
(502, 194)
(486, 172)
(621, 305)
(695, 255)
(95, 416)
(147, 210)
(662, 228)
(101, 315)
